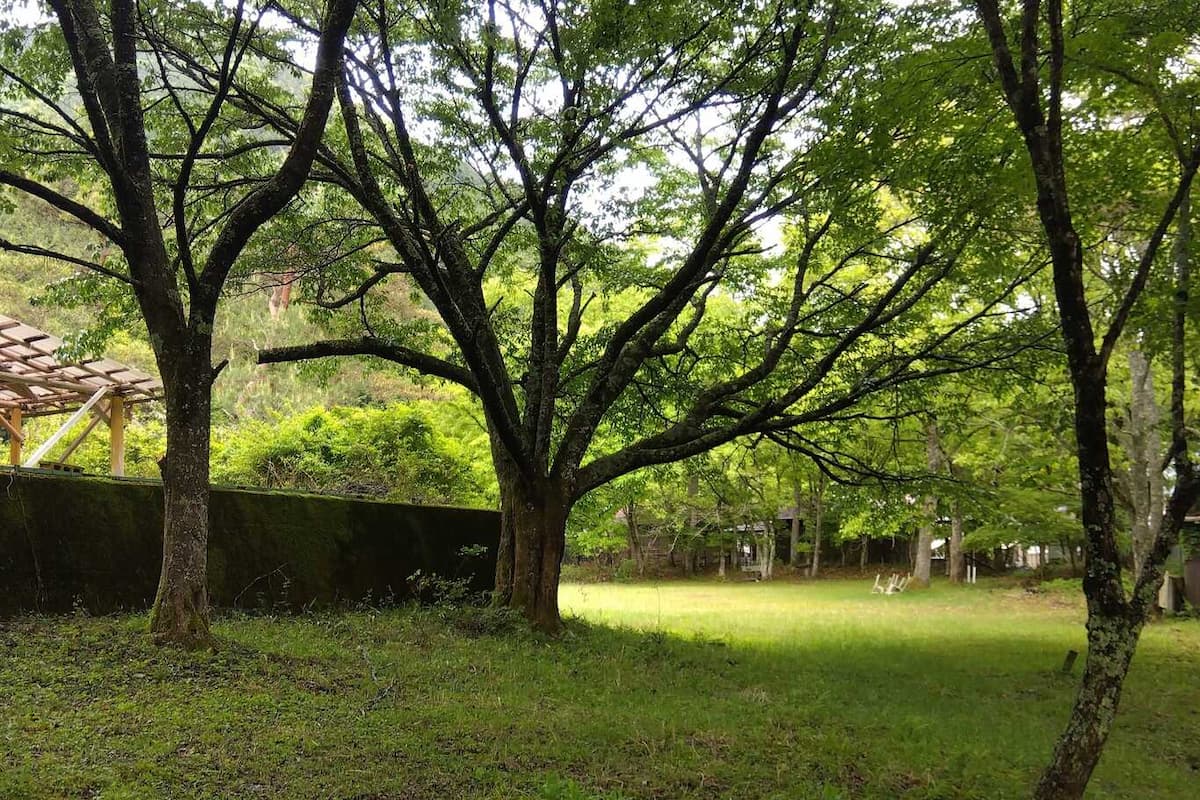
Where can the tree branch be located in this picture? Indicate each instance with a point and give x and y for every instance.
(87, 216)
(373, 346)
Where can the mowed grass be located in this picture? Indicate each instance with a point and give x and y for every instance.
(679, 690)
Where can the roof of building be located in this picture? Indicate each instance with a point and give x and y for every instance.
(34, 380)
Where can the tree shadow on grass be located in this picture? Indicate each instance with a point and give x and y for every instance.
(404, 704)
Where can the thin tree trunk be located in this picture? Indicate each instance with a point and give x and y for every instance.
(768, 554)
(1074, 563)
(794, 552)
(635, 542)
(921, 556)
(1114, 621)
(923, 560)
(689, 557)
(862, 556)
(957, 562)
(818, 524)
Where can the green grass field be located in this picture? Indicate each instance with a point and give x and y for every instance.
(680, 690)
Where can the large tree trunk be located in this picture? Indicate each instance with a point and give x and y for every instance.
(180, 615)
(533, 540)
(1114, 623)
(1113, 626)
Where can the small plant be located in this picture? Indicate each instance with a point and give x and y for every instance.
(626, 571)
(473, 551)
(439, 591)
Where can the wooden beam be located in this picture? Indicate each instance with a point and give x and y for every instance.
(36, 459)
(17, 436)
(49, 383)
(79, 439)
(116, 435)
(101, 411)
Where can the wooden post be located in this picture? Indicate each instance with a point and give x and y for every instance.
(116, 435)
(14, 442)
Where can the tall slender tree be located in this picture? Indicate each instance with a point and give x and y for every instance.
(1033, 68)
(177, 186)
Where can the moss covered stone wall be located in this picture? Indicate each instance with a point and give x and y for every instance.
(69, 541)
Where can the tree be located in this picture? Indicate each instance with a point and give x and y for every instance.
(162, 156)
(929, 507)
(574, 304)
(1033, 86)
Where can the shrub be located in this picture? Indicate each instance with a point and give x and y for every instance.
(398, 453)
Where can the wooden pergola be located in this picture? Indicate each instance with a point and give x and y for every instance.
(34, 383)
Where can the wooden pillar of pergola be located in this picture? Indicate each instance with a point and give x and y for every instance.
(16, 436)
(116, 436)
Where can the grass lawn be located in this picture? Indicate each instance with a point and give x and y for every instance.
(678, 690)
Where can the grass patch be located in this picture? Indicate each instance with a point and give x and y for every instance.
(684, 690)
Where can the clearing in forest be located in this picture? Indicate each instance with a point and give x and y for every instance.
(679, 690)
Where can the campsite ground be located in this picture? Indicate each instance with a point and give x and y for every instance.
(672, 690)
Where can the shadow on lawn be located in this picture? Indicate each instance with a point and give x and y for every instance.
(404, 703)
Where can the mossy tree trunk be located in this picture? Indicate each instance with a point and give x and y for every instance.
(181, 614)
(533, 541)
(1111, 644)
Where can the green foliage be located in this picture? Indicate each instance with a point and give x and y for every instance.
(399, 452)
(1190, 538)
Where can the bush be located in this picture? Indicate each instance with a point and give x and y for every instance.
(396, 453)
(626, 571)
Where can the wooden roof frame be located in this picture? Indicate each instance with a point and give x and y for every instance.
(34, 381)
